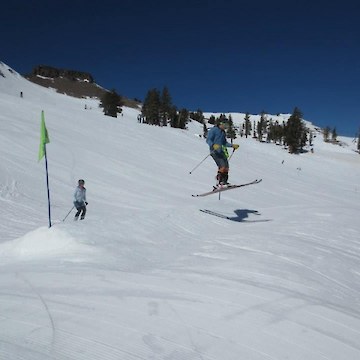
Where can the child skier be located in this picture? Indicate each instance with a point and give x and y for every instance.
(80, 200)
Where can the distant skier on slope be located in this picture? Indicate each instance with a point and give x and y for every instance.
(216, 139)
(80, 200)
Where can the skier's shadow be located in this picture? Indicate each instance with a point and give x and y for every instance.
(242, 215)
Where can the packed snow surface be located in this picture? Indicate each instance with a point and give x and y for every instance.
(272, 273)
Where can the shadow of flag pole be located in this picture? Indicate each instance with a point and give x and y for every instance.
(44, 139)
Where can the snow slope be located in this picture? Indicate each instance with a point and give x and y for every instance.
(147, 275)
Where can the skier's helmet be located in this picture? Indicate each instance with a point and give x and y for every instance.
(223, 121)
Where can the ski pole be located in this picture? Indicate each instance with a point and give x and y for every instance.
(199, 163)
(231, 155)
(68, 213)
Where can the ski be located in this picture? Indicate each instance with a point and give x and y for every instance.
(225, 188)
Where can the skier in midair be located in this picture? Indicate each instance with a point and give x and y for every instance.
(216, 139)
(80, 200)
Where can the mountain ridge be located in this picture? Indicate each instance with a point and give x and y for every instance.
(74, 83)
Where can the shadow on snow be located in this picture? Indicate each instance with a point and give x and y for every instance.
(241, 215)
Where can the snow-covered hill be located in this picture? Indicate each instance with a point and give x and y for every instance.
(147, 275)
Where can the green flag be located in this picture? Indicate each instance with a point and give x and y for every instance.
(44, 137)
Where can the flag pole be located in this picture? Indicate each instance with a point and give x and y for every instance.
(44, 139)
(47, 185)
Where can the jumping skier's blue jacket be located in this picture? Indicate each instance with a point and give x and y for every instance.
(217, 136)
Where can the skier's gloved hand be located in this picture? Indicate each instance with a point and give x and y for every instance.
(86, 203)
(235, 146)
(216, 147)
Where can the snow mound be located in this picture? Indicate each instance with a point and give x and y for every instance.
(44, 242)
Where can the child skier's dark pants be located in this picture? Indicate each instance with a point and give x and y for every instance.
(81, 209)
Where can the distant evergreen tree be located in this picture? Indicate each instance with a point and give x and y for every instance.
(165, 106)
(180, 119)
(200, 116)
(326, 134)
(173, 115)
(275, 132)
(230, 131)
(279, 133)
(151, 107)
(311, 138)
(269, 131)
(174, 119)
(334, 135)
(261, 126)
(111, 102)
(247, 124)
(254, 133)
(205, 130)
(295, 132)
(197, 116)
(303, 139)
(283, 131)
(212, 120)
(183, 118)
(157, 108)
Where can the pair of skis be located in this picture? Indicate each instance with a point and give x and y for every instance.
(220, 189)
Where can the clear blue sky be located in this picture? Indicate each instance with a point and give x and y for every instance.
(223, 56)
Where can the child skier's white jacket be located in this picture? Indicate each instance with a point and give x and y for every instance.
(80, 196)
